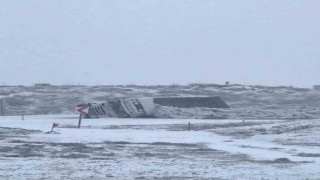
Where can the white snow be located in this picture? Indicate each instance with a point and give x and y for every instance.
(258, 150)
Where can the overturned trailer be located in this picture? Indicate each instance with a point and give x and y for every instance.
(118, 108)
(144, 107)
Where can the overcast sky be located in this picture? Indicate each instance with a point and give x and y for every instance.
(101, 42)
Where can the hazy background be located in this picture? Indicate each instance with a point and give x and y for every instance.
(94, 42)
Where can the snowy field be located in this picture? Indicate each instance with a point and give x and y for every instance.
(158, 148)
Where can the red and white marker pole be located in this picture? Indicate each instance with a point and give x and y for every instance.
(81, 110)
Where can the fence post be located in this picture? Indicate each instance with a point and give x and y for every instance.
(189, 126)
(22, 116)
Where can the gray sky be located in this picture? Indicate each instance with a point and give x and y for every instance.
(98, 42)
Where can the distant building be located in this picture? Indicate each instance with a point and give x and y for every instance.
(316, 87)
(42, 85)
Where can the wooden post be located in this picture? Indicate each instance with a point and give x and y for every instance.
(22, 116)
(79, 123)
(189, 126)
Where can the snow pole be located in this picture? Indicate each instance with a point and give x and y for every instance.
(1, 107)
(79, 123)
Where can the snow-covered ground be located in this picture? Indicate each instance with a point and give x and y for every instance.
(158, 148)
